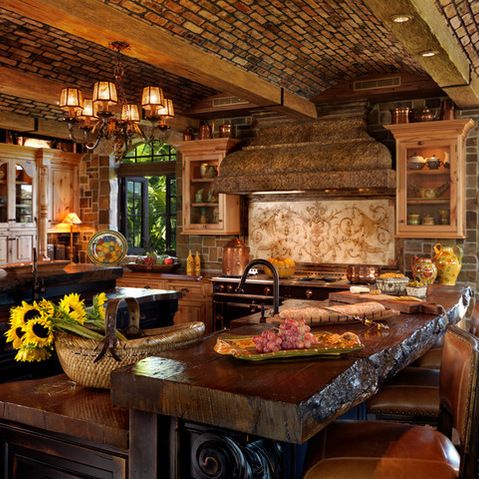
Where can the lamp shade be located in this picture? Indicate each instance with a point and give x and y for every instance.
(88, 110)
(71, 100)
(130, 112)
(167, 111)
(72, 219)
(105, 91)
(152, 97)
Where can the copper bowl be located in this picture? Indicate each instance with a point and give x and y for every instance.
(362, 273)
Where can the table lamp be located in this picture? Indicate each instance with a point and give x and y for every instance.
(71, 219)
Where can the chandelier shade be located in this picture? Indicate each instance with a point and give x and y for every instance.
(130, 112)
(71, 101)
(100, 118)
(152, 97)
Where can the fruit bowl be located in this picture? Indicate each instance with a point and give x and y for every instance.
(286, 267)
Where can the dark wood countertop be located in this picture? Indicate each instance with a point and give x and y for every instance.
(58, 405)
(282, 400)
(23, 277)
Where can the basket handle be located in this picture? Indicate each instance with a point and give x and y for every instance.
(110, 341)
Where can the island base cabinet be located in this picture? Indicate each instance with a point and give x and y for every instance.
(28, 454)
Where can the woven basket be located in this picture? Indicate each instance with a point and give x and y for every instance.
(89, 362)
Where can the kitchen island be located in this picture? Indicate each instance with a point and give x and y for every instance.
(214, 410)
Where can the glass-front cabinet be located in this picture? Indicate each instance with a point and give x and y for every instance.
(204, 211)
(430, 194)
(18, 180)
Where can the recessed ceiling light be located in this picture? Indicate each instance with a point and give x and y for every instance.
(401, 18)
(429, 53)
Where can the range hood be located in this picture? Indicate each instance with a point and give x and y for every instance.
(329, 155)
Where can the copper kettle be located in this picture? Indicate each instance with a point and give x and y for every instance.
(235, 257)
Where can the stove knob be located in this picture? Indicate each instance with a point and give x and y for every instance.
(221, 287)
(267, 291)
(229, 288)
(309, 293)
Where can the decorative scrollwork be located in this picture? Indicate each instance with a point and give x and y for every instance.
(220, 456)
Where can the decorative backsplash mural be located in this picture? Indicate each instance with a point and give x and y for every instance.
(327, 231)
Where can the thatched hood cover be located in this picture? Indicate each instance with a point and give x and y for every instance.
(318, 155)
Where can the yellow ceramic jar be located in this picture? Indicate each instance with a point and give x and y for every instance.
(448, 261)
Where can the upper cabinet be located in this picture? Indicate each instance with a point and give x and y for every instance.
(430, 193)
(18, 186)
(205, 212)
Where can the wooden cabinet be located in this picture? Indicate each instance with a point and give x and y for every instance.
(195, 303)
(205, 212)
(63, 189)
(18, 203)
(430, 194)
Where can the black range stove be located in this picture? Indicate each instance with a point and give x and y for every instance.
(258, 293)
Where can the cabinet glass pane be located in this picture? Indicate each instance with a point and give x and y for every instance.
(23, 196)
(4, 193)
(428, 183)
(204, 203)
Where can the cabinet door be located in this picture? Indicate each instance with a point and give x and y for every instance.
(4, 195)
(22, 244)
(24, 192)
(4, 244)
(204, 211)
(189, 311)
(63, 194)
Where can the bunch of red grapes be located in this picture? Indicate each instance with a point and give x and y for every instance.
(291, 334)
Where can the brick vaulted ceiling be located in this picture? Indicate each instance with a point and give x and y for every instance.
(303, 46)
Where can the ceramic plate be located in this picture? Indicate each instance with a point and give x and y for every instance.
(107, 247)
(243, 348)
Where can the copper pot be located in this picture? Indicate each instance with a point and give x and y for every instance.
(235, 257)
(362, 273)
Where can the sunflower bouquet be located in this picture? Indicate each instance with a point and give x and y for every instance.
(33, 326)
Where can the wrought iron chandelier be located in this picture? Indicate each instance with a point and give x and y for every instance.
(108, 115)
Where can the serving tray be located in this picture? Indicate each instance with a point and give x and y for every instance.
(243, 347)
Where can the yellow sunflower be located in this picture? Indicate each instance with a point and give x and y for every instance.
(25, 312)
(101, 299)
(47, 307)
(15, 335)
(38, 332)
(32, 354)
(73, 307)
(99, 304)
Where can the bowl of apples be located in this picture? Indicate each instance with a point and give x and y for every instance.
(155, 263)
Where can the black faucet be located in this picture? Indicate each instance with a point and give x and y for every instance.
(274, 271)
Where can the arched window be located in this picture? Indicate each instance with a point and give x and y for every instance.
(147, 198)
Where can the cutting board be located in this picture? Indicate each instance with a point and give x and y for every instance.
(407, 306)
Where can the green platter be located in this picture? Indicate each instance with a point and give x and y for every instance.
(240, 347)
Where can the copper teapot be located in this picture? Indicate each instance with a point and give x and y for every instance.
(235, 257)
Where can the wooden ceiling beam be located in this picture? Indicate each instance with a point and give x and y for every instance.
(428, 31)
(98, 23)
(33, 87)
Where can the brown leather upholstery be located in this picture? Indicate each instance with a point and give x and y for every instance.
(376, 449)
(382, 450)
(412, 394)
(432, 358)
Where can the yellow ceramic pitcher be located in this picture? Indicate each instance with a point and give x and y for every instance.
(448, 261)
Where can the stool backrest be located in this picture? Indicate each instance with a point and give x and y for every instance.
(459, 395)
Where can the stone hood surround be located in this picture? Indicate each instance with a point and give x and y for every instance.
(310, 156)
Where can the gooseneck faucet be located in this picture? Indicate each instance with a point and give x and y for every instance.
(274, 271)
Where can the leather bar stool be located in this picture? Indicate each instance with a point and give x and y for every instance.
(413, 394)
(432, 358)
(389, 450)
